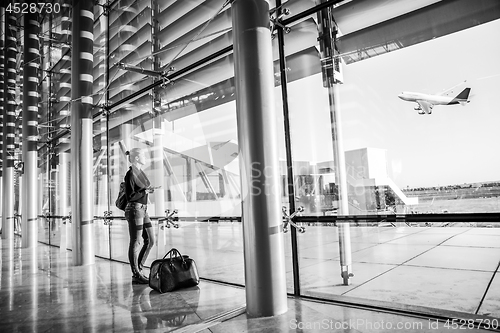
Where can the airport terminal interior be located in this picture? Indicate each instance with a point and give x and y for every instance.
(309, 195)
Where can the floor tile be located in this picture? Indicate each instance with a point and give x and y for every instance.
(474, 240)
(458, 257)
(324, 279)
(425, 238)
(390, 253)
(438, 288)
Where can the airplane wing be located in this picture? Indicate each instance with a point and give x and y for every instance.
(424, 107)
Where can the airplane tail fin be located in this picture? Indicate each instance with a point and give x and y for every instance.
(463, 96)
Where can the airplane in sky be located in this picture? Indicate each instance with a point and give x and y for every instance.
(426, 102)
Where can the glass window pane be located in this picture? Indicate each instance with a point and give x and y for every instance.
(400, 161)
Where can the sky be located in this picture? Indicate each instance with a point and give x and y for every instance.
(455, 144)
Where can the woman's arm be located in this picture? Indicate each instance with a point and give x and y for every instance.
(134, 187)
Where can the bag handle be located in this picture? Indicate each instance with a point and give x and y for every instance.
(173, 253)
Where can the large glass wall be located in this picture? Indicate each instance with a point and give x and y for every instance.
(389, 144)
(421, 188)
(187, 126)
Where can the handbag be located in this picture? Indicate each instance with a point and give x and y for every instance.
(174, 271)
(121, 201)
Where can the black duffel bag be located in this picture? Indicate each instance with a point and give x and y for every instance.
(174, 271)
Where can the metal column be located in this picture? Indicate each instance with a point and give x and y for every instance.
(9, 115)
(344, 228)
(30, 132)
(105, 137)
(288, 152)
(265, 278)
(327, 39)
(158, 125)
(81, 132)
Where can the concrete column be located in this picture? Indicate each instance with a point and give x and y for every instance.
(1, 188)
(158, 170)
(63, 201)
(2, 83)
(40, 192)
(18, 148)
(265, 278)
(30, 132)
(158, 180)
(81, 133)
(126, 134)
(9, 115)
(191, 180)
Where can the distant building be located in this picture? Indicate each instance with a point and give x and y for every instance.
(370, 189)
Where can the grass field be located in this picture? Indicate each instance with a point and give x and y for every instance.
(460, 205)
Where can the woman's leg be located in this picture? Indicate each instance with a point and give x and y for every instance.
(135, 227)
(149, 241)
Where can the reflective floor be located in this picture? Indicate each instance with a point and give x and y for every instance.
(445, 268)
(41, 291)
(441, 268)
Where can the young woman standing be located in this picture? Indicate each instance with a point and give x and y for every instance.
(137, 188)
